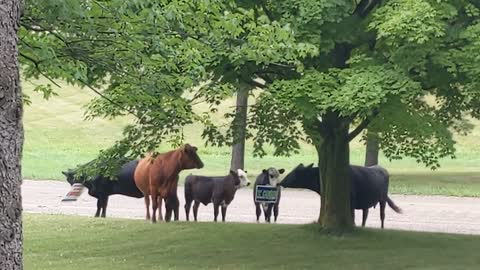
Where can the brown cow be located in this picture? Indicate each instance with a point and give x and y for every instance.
(157, 178)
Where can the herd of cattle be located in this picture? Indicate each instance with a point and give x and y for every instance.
(155, 178)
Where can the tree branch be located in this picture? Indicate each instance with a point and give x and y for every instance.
(39, 29)
(267, 12)
(362, 126)
(282, 65)
(365, 7)
(36, 63)
(107, 99)
(256, 84)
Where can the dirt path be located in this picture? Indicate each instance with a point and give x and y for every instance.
(421, 213)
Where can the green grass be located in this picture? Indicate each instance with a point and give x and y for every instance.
(67, 243)
(57, 138)
(462, 184)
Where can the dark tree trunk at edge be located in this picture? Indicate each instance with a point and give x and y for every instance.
(372, 148)
(11, 139)
(239, 129)
(334, 162)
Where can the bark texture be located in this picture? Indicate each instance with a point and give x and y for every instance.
(11, 139)
(372, 148)
(334, 162)
(240, 129)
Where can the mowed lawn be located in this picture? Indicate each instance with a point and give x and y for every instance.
(68, 242)
(57, 138)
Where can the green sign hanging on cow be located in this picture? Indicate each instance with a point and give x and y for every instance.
(266, 194)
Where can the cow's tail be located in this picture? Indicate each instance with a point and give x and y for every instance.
(393, 206)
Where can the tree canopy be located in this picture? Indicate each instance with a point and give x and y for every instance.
(151, 59)
(383, 67)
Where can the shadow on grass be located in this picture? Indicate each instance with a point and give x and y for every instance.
(66, 242)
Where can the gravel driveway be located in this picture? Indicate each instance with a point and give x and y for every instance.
(421, 213)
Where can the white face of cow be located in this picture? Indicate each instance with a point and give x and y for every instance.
(242, 175)
(274, 176)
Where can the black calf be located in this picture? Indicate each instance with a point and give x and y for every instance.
(101, 187)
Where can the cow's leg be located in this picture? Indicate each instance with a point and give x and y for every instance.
(196, 204)
(154, 206)
(104, 207)
(176, 209)
(265, 210)
(160, 200)
(382, 212)
(188, 204)
(268, 213)
(353, 214)
(169, 206)
(224, 211)
(215, 211)
(172, 206)
(364, 216)
(99, 207)
(147, 205)
(275, 211)
(258, 210)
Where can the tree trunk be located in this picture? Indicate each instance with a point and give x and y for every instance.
(334, 162)
(239, 129)
(11, 139)
(371, 153)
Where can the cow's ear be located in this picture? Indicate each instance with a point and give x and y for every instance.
(281, 171)
(65, 173)
(300, 165)
(310, 166)
(187, 148)
(264, 171)
(232, 172)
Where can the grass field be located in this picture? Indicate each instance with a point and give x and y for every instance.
(61, 242)
(57, 138)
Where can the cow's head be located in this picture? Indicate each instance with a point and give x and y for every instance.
(190, 158)
(271, 176)
(243, 179)
(70, 174)
(303, 177)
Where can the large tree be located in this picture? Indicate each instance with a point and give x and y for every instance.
(378, 62)
(11, 139)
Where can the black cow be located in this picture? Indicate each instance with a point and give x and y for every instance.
(101, 187)
(218, 190)
(369, 187)
(268, 177)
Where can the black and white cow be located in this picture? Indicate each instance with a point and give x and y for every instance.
(369, 187)
(268, 177)
(101, 187)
